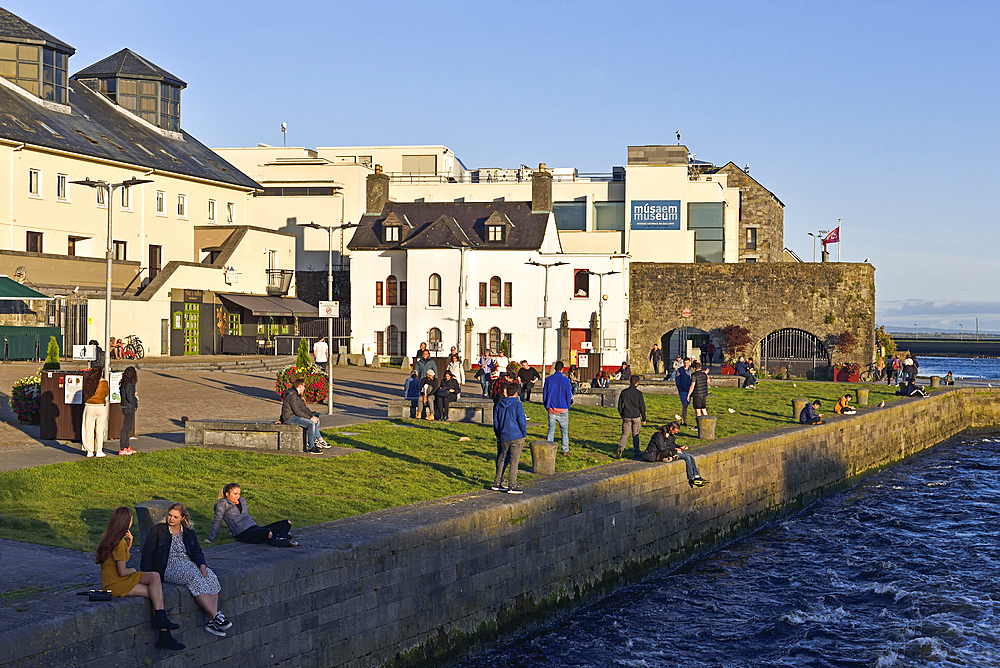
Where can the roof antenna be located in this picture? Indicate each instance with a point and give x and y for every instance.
(284, 131)
(678, 137)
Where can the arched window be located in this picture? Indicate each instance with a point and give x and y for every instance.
(393, 336)
(434, 339)
(495, 287)
(495, 339)
(434, 290)
(391, 291)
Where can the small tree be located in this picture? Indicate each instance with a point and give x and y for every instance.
(736, 339)
(885, 342)
(846, 340)
(504, 348)
(52, 357)
(302, 360)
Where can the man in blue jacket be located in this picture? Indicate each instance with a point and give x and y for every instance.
(683, 382)
(557, 395)
(511, 428)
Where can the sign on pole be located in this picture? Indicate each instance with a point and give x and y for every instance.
(329, 309)
(544, 322)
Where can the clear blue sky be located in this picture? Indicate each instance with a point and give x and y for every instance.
(880, 114)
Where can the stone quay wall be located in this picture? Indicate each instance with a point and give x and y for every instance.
(823, 299)
(418, 583)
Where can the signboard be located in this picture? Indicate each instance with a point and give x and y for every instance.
(194, 296)
(85, 353)
(74, 390)
(329, 309)
(544, 323)
(656, 214)
(116, 391)
(583, 360)
(231, 275)
(586, 345)
(686, 313)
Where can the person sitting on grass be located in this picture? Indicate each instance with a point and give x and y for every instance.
(844, 407)
(294, 411)
(911, 389)
(662, 448)
(232, 509)
(511, 428)
(112, 554)
(809, 414)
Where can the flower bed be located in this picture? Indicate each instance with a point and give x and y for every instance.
(316, 382)
(24, 399)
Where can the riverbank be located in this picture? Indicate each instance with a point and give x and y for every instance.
(406, 585)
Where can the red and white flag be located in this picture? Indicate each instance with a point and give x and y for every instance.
(833, 237)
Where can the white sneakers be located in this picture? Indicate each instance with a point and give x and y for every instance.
(100, 453)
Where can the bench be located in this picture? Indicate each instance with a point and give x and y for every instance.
(477, 411)
(255, 434)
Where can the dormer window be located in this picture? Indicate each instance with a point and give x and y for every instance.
(36, 69)
(391, 233)
(134, 83)
(494, 233)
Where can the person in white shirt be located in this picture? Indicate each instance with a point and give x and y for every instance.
(321, 352)
(502, 362)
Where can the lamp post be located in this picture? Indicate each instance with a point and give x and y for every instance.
(545, 303)
(330, 229)
(600, 308)
(818, 235)
(961, 332)
(109, 189)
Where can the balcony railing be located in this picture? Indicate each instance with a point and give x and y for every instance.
(279, 281)
(502, 176)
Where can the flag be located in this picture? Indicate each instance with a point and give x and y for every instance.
(833, 237)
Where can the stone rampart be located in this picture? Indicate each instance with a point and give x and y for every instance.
(411, 584)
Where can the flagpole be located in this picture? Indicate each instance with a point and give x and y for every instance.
(840, 233)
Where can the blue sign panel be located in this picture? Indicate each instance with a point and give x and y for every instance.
(659, 214)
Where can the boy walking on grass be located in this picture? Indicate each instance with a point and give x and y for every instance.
(511, 428)
(632, 408)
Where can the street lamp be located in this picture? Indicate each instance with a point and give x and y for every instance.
(109, 189)
(819, 235)
(545, 303)
(330, 229)
(961, 332)
(600, 308)
(917, 336)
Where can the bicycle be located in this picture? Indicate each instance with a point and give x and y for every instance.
(133, 347)
(871, 374)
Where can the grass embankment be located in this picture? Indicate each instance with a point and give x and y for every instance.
(405, 461)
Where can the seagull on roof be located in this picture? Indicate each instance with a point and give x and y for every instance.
(678, 136)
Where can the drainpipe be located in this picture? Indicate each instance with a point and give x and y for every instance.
(461, 299)
(12, 151)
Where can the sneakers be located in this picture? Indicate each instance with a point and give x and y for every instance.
(698, 482)
(90, 454)
(212, 626)
(312, 451)
(322, 443)
(514, 490)
(100, 453)
(618, 455)
(221, 621)
(126, 451)
(498, 488)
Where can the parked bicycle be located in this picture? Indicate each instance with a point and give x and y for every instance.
(871, 374)
(132, 348)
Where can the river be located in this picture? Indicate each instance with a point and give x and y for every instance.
(985, 368)
(898, 571)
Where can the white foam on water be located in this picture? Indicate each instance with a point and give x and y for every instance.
(826, 616)
(887, 660)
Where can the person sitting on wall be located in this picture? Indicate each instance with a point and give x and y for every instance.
(662, 448)
(411, 390)
(911, 389)
(600, 381)
(743, 371)
(809, 414)
(624, 373)
(844, 407)
(294, 411)
(948, 380)
(428, 390)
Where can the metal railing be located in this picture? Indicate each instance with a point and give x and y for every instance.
(501, 176)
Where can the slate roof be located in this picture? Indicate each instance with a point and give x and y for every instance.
(129, 64)
(449, 224)
(15, 29)
(97, 129)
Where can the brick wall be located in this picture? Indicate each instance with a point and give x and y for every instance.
(407, 585)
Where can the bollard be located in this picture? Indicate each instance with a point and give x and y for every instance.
(862, 394)
(149, 513)
(797, 406)
(543, 457)
(935, 381)
(706, 427)
(405, 365)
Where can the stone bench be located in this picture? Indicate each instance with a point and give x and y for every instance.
(477, 411)
(256, 434)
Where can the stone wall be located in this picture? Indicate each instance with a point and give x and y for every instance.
(823, 299)
(410, 585)
(759, 208)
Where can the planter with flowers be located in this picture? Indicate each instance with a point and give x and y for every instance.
(25, 399)
(849, 372)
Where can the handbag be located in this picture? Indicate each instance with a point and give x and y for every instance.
(96, 595)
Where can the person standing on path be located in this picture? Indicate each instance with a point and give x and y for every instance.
(527, 377)
(294, 411)
(632, 408)
(698, 393)
(99, 356)
(655, 356)
(424, 362)
(484, 372)
(456, 369)
(682, 379)
(411, 391)
(511, 428)
(95, 411)
(321, 351)
(129, 404)
(557, 396)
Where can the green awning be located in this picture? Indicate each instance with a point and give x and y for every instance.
(11, 289)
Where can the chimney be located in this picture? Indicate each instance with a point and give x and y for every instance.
(541, 190)
(377, 187)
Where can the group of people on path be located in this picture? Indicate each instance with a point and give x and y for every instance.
(171, 553)
(96, 407)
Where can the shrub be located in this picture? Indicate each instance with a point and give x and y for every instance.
(885, 342)
(736, 338)
(52, 357)
(846, 340)
(504, 348)
(302, 359)
(24, 399)
(316, 382)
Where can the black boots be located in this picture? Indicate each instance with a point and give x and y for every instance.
(161, 623)
(167, 641)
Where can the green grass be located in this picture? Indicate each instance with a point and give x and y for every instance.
(404, 461)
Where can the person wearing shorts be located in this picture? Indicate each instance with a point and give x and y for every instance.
(698, 393)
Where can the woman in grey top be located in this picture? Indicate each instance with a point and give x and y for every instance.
(232, 509)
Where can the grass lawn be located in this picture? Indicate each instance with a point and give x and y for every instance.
(404, 461)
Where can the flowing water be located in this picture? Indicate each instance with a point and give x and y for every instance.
(900, 570)
(985, 368)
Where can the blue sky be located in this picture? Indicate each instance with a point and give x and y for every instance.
(882, 115)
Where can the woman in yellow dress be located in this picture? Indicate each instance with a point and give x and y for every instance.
(112, 555)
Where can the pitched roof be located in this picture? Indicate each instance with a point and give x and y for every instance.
(98, 129)
(747, 175)
(129, 64)
(15, 29)
(452, 224)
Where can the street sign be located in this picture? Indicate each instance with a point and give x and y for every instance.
(686, 313)
(85, 352)
(544, 323)
(329, 309)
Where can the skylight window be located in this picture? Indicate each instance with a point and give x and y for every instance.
(168, 155)
(51, 131)
(145, 150)
(20, 124)
(197, 160)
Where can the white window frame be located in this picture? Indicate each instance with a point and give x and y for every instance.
(35, 183)
(211, 210)
(115, 245)
(391, 233)
(182, 206)
(101, 197)
(62, 187)
(161, 198)
(126, 198)
(230, 212)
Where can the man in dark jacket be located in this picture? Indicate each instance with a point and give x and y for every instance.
(294, 411)
(682, 379)
(809, 414)
(527, 377)
(511, 428)
(663, 448)
(632, 408)
(655, 355)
